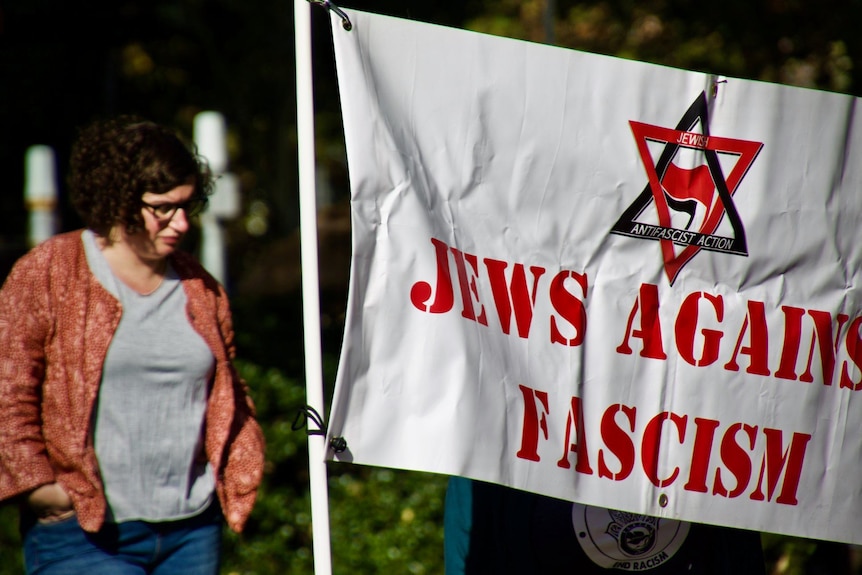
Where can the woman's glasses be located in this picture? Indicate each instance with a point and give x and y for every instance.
(164, 212)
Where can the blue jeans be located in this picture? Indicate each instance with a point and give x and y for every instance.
(189, 547)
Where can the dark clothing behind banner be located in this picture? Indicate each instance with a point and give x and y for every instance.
(491, 529)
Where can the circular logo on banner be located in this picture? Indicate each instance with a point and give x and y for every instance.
(627, 541)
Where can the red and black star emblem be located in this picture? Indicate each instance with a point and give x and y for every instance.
(688, 188)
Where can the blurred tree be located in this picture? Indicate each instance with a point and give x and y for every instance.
(788, 41)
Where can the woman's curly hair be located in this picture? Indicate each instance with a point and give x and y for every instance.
(115, 162)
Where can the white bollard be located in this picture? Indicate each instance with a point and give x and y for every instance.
(210, 138)
(40, 193)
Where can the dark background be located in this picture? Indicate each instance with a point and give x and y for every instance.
(65, 63)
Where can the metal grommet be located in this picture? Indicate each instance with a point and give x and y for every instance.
(338, 444)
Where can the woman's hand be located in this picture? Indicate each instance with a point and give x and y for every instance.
(50, 503)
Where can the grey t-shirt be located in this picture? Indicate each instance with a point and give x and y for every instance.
(149, 418)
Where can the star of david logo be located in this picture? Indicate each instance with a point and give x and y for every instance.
(688, 188)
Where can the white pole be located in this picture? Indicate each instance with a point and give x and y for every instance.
(40, 193)
(310, 284)
(210, 134)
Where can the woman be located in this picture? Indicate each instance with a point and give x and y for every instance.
(126, 434)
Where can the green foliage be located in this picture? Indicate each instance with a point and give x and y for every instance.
(386, 521)
(788, 555)
(381, 520)
(763, 41)
(11, 559)
(277, 538)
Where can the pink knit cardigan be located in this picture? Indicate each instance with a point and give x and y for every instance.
(56, 322)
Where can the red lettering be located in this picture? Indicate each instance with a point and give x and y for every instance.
(854, 348)
(651, 442)
(704, 435)
(570, 307)
(420, 293)
(619, 442)
(469, 290)
(522, 298)
(792, 337)
(736, 459)
(758, 342)
(775, 460)
(650, 330)
(686, 328)
(576, 421)
(828, 347)
(780, 467)
(533, 421)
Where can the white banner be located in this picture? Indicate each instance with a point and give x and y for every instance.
(606, 281)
